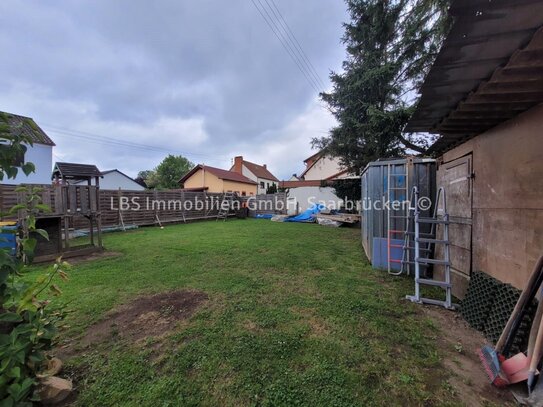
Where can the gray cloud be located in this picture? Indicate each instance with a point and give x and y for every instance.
(204, 78)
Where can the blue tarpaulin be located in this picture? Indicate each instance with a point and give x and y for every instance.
(264, 216)
(308, 215)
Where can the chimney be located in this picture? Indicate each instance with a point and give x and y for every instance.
(265, 166)
(238, 164)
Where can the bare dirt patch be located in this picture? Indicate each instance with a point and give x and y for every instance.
(459, 343)
(318, 326)
(93, 256)
(145, 317)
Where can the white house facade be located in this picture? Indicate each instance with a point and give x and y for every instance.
(40, 153)
(115, 179)
(322, 167)
(255, 172)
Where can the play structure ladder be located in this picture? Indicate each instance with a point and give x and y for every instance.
(225, 205)
(421, 261)
(396, 190)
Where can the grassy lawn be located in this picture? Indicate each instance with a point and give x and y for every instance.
(295, 316)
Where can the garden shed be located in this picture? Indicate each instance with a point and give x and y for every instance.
(384, 225)
(483, 97)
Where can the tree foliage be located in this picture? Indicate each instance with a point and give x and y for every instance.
(272, 189)
(348, 189)
(168, 173)
(390, 46)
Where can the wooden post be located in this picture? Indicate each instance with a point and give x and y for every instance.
(183, 205)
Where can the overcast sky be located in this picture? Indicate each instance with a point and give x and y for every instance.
(206, 79)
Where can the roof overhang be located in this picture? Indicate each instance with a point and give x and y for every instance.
(489, 69)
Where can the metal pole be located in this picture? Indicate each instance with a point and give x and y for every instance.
(417, 246)
(388, 217)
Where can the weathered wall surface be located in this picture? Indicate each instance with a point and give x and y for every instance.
(239, 187)
(203, 178)
(507, 201)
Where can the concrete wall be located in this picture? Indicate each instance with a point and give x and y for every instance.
(42, 157)
(507, 200)
(305, 196)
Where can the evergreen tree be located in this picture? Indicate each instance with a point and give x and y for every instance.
(390, 46)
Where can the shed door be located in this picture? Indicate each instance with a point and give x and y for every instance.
(455, 176)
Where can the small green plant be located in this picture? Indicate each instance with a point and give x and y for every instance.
(28, 324)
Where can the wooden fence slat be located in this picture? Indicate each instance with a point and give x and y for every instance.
(72, 198)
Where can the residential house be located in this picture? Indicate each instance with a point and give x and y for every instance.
(211, 179)
(321, 166)
(115, 179)
(258, 173)
(314, 183)
(40, 153)
(483, 97)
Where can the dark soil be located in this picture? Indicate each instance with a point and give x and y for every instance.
(150, 316)
(459, 342)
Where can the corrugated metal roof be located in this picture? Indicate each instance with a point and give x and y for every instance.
(27, 127)
(489, 69)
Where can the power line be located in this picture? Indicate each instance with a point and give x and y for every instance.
(294, 40)
(271, 24)
(94, 138)
(288, 43)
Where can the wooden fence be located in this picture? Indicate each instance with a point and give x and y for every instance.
(122, 207)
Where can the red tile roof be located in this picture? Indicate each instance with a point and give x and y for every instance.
(309, 183)
(260, 171)
(219, 173)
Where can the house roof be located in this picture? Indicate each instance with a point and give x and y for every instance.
(297, 184)
(488, 70)
(260, 171)
(76, 171)
(120, 172)
(27, 127)
(314, 156)
(219, 173)
(312, 161)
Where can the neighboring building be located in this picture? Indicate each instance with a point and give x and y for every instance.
(322, 167)
(258, 173)
(312, 184)
(40, 153)
(211, 179)
(483, 96)
(115, 179)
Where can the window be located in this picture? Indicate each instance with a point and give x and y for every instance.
(243, 193)
(262, 184)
